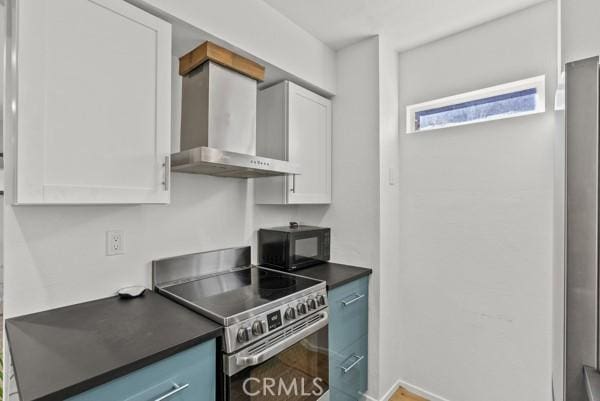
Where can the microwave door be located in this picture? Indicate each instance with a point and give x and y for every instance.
(308, 248)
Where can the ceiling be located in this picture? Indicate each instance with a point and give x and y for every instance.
(407, 23)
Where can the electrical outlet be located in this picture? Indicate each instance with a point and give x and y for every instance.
(115, 242)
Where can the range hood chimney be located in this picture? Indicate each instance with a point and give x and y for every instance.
(218, 117)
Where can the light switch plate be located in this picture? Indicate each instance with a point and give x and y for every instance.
(115, 242)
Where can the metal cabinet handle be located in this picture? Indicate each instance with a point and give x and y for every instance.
(354, 364)
(167, 168)
(176, 389)
(293, 189)
(353, 300)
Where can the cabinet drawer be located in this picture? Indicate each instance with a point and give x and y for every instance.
(192, 370)
(339, 395)
(348, 370)
(349, 314)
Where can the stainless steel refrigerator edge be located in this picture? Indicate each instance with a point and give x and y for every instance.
(576, 313)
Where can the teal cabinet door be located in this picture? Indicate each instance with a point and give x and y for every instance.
(349, 310)
(187, 376)
(348, 370)
(348, 340)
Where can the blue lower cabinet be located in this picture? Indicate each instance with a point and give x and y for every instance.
(339, 395)
(187, 376)
(349, 310)
(350, 369)
(348, 340)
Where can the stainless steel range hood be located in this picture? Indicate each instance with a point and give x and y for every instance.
(221, 163)
(218, 117)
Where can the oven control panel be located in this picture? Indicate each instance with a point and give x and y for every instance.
(244, 333)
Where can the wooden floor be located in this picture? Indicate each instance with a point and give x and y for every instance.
(404, 395)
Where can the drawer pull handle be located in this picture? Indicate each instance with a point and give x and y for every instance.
(354, 364)
(293, 189)
(353, 300)
(176, 389)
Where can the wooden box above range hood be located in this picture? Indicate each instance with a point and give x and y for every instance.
(210, 51)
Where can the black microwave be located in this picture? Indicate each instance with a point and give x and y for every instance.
(293, 247)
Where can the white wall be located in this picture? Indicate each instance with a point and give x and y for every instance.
(580, 29)
(364, 211)
(475, 288)
(389, 277)
(257, 28)
(55, 256)
(354, 212)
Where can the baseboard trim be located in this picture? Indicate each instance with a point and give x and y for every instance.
(410, 387)
(388, 394)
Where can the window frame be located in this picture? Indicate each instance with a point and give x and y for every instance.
(537, 82)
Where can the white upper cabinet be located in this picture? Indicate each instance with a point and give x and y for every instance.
(294, 124)
(93, 103)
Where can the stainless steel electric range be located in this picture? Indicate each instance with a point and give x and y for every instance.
(275, 344)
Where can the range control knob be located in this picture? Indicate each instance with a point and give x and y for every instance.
(290, 314)
(243, 335)
(301, 308)
(257, 328)
(321, 300)
(312, 304)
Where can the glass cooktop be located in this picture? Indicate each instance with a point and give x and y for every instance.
(228, 294)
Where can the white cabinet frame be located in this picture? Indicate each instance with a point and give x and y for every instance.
(294, 124)
(50, 36)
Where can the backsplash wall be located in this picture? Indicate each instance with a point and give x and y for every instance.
(56, 254)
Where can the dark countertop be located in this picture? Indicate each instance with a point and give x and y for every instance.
(592, 383)
(62, 352)
(334, 274)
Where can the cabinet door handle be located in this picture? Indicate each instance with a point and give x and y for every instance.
(353, 364)
(167, 169)
(175, 390)
(353, 300)
(293, 188)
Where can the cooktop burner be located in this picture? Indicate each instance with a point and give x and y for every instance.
(252, 303)
(228, 294)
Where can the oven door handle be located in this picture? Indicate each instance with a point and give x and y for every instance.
(252, 360)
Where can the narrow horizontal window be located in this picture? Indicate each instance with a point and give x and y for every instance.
(498, 102)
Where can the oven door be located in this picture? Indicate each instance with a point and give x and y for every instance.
(292, 364)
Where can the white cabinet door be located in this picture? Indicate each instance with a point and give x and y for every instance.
(93, 103)
(309, 145)
(294, 124)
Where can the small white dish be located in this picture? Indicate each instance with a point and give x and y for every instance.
(131, 292)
